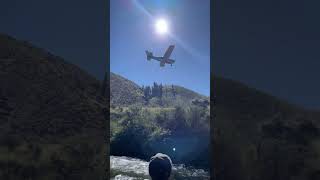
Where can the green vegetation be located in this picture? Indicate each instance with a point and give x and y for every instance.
(150, 119)
(135, 129)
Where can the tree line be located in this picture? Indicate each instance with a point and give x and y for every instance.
(157, 90)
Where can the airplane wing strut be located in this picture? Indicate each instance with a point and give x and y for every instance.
(162, 63)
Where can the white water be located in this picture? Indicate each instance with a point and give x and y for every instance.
(126, 168)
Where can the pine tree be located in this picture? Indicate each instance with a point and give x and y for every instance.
(155, 90)
(160, 90)
(147, 93)
(173, 91)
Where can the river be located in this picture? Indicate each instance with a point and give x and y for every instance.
(126, 168)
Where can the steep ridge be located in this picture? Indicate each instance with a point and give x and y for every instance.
(123, 91)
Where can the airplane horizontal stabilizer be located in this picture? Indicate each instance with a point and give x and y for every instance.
(149, 55)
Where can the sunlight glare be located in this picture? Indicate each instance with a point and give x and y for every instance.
(161, 26)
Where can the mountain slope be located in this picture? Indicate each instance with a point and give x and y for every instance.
(43, 90)
(46, 102)
(124, 92)
(258, 136)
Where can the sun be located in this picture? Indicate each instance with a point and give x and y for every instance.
(161, 26)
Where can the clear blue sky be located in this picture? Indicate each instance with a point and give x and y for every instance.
(132, 32)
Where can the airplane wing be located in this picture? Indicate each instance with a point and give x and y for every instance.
(168, 52)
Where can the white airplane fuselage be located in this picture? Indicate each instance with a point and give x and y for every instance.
(168, 61)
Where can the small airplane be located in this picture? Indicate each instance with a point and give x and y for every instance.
(163, 60)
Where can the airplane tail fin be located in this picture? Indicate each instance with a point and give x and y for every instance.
(149, 55)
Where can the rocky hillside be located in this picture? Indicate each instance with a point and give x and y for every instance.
(46, 102)
(123, 91)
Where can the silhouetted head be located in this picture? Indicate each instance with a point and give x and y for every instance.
(160, 167)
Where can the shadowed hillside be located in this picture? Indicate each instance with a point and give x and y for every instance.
(52, 126)
(257, 136)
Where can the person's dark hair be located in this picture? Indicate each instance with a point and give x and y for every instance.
(160, 167)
